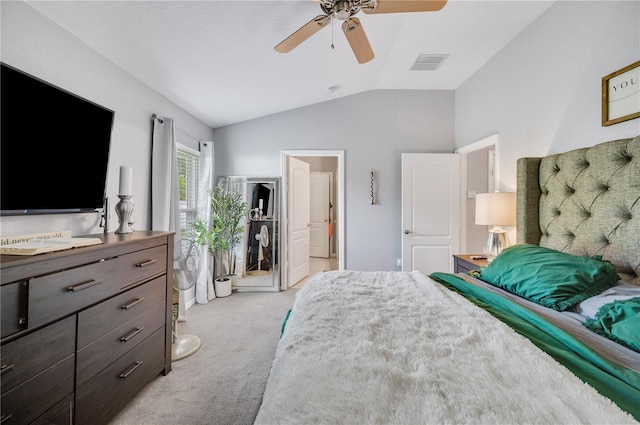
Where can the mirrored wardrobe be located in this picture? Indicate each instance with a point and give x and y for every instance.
(257, 256)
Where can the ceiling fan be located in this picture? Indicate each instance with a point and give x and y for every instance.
(345, 10)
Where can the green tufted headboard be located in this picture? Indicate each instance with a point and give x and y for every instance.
(585, 202)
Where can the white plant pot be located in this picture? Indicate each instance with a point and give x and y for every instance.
(234, 280)
(222, 286)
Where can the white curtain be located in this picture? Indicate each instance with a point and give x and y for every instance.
(165, 195)
(204, 284)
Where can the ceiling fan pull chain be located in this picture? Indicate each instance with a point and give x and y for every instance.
(332, 46)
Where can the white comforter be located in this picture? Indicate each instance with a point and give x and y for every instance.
(398, 348)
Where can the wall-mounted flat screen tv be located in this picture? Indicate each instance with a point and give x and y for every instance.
(54, 148)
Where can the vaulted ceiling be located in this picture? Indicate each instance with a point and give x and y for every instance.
(216, 59)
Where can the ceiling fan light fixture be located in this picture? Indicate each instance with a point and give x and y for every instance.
(342, 9)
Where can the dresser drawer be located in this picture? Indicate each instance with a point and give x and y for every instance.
(60, 414)
(14, 308)
(463, 268)
(96, 356)
(121, 381)
(31, 399)
(33, 353)
(66, 292)
(101, 319)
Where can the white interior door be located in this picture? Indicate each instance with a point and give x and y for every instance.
(319, 215)
(430, 211)
(298, 222)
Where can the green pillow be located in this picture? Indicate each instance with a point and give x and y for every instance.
(548, 277)
(619, 321)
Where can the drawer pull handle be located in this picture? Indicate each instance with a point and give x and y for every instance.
(84, 285)
(131, 369)
(6, 368)
(131, 304)
(131, 334)
(146, 263)
(5, 418)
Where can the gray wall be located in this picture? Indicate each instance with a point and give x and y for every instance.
(36, 45)
(373, 129)
(542, 92)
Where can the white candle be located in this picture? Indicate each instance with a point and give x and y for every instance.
(125, 180)
(259, 203)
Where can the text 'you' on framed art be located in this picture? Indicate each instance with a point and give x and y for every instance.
(621, 95)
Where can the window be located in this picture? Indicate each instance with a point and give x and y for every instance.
(188, 172)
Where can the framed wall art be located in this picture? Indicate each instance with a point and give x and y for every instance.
(621, 95)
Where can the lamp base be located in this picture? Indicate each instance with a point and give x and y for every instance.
(496, 242)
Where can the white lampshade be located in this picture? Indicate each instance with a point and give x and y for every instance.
(496, 209)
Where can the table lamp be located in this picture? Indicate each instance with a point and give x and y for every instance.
(496, 209)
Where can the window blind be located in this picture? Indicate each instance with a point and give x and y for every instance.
(188, 173)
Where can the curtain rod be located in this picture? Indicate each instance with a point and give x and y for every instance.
(157, 117)
(187, 134)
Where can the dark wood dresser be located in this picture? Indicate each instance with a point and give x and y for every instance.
(84, 330)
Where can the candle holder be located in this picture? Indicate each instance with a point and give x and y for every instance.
(124, 210)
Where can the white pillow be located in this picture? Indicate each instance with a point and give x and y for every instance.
(622, 291)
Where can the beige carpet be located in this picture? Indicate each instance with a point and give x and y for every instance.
(223, 382)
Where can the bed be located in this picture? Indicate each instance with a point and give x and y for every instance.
(548, 332)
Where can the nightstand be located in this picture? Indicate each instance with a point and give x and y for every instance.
(463, 263)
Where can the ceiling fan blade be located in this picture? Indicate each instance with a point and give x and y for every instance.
(357, 39)
(399, 6)
(304, 32)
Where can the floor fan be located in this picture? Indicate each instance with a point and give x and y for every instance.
(263, 241)
(186, 269)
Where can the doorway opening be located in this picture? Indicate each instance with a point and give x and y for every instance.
(338, 206)
(481, 175)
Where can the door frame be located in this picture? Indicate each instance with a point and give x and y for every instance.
(340, 197)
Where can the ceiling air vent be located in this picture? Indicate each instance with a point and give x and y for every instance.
(428, 62)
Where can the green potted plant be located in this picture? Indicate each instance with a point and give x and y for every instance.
(222, 235)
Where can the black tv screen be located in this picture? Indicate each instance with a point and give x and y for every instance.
(54, 148)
